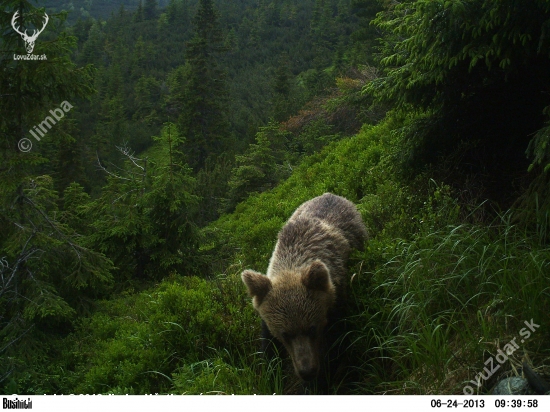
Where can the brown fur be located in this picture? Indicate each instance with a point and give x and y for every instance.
(304, 276)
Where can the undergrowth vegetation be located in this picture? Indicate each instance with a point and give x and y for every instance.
(444, 302)
(186, 335)
(437, 291)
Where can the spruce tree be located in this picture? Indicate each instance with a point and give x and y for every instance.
(173, 243)
(144, 218)
(204, 118)
(172, 11)
(282, 102)
(138, 15)
(48, 273)
(150, 10)
(262, 166)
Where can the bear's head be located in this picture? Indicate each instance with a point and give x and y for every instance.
(294, 305)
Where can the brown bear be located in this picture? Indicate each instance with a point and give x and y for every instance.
(305, 277)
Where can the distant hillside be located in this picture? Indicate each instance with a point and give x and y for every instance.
(92, 8)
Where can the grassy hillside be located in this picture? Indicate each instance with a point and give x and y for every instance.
(441, 287)
(438, 291)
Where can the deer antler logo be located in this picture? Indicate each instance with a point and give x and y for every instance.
(29, 40)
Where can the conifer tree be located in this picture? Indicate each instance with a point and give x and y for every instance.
(144, 218)
(204, 118)
(138, 15)
(118, 216)
(178, 11)
(262, 166)
(173, 207)
(48, 274)
(477, 69)
(323, 32)
(172, 11)
(282, 104)
(150, 10)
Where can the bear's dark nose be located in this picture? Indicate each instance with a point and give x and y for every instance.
(308, 374)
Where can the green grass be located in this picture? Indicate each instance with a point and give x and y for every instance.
(444, 302)
(185, 336)
(438, 290)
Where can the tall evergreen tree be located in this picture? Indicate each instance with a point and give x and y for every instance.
(204, 118)
(138, 15)
(480, 81)
(150, 9)
(144, 218)
(282, 88)
(47, 273)
(262, 166)
(178, 11)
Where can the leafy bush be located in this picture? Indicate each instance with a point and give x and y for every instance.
(134, 343)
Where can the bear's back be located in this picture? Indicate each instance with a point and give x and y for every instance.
(338, 212)
(324, 228)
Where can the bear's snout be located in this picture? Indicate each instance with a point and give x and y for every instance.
(308, 374)
(305, 358)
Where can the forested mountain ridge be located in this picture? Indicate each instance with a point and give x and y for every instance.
(82, 9)
(273, 58)
(194, 132)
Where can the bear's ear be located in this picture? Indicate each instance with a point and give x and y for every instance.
(258, 285)
(317, 277)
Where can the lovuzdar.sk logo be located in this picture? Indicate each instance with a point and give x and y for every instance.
(16, 404)
(28, 39)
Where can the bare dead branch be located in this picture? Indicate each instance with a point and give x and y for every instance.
(109, 173)
(130, 155)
